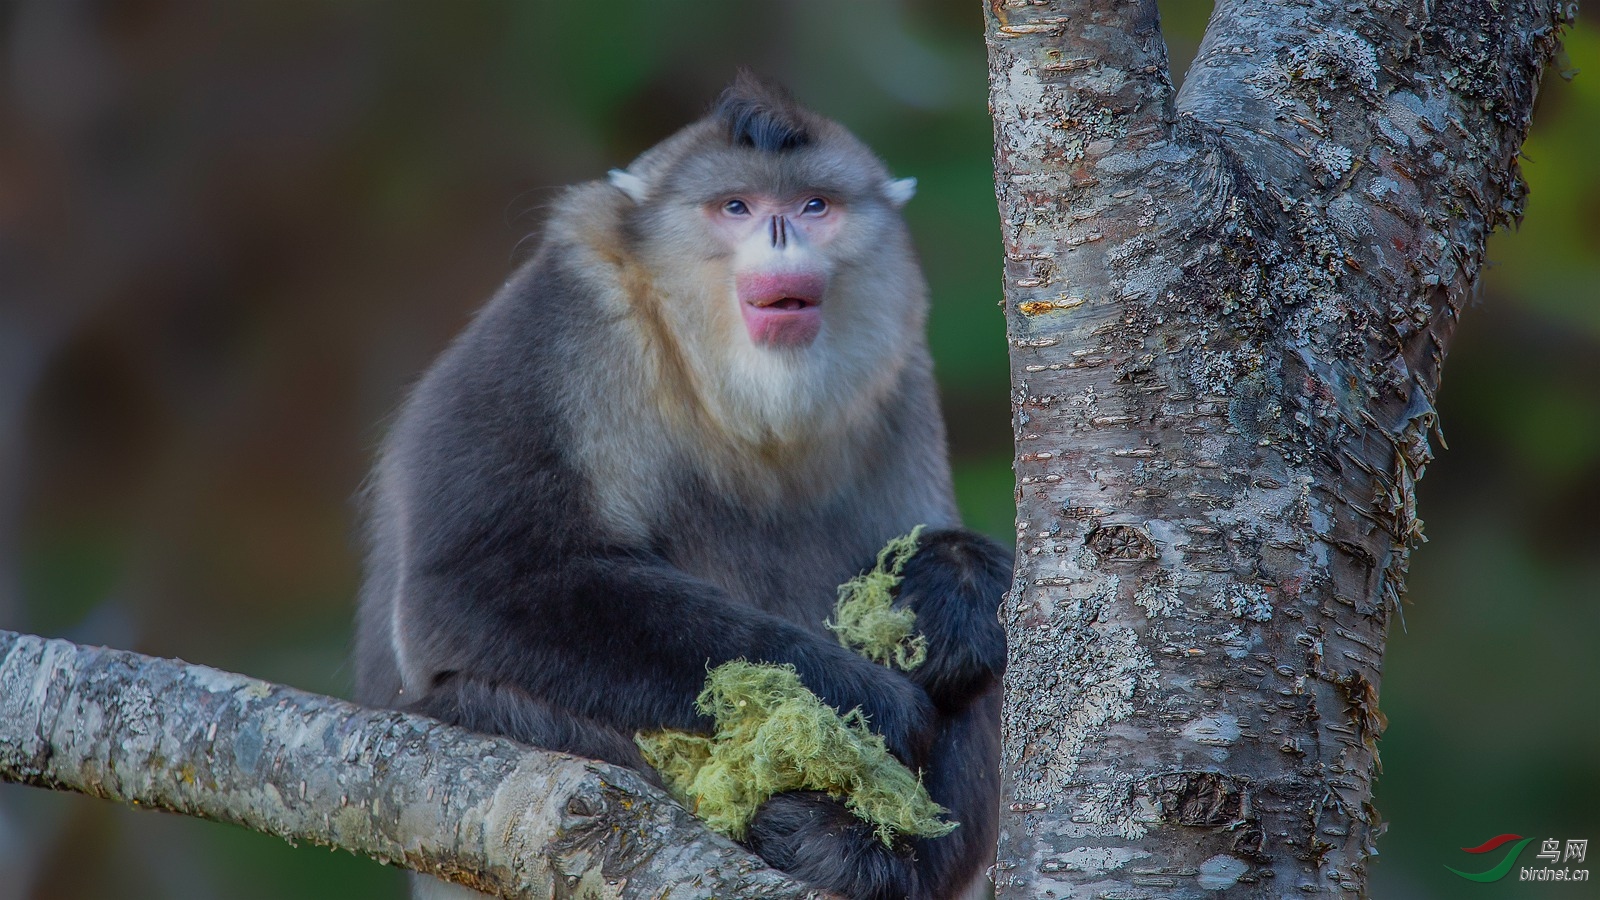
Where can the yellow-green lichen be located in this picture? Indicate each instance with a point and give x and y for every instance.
(773, 735)
(866, 619)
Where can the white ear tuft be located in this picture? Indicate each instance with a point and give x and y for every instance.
(900, 190)
(628, 183)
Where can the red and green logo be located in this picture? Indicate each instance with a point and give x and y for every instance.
(1504, 866)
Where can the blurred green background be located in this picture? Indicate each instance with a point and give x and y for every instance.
(231, 234)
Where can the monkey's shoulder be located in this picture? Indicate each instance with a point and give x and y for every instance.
(589, 230)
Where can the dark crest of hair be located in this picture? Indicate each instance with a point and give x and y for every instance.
(761, 114)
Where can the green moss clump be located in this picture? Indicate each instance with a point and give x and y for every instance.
(865, 618)
(773, 735)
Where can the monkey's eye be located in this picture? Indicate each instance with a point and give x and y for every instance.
(816, 206)
(736, 208)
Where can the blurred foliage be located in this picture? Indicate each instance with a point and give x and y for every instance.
(231, 234)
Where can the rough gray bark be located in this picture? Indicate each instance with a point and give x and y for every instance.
(1227, 312)
(486, 812)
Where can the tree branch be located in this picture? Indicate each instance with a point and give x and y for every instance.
(486, 812)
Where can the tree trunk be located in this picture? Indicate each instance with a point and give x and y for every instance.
(1227, 312)
(487, 812)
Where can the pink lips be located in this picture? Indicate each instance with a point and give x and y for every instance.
(781, 309)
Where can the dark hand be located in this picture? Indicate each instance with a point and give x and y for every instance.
(895, 706)
(954, 585)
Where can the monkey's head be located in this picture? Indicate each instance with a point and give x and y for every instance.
(773, 239)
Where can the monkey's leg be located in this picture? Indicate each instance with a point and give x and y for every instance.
(963, 776)
(817, 840)
(954, 583)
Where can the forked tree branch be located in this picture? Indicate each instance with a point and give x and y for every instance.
(501, 817)
(1228, 313)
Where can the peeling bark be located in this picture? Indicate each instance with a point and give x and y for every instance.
(1227, 311)
(486, 812)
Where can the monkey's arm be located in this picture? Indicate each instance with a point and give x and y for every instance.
(505, 709)
(627, 641)
(954, 583)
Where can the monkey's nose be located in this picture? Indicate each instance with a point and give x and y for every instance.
(779, 231)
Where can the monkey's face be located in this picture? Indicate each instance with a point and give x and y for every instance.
(776, 268)
(781, 266)
(783, 257)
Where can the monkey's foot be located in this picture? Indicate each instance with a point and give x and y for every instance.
(817, 840)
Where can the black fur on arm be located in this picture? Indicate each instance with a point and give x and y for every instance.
(627, 642)
(954, 583)
(505, 709)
